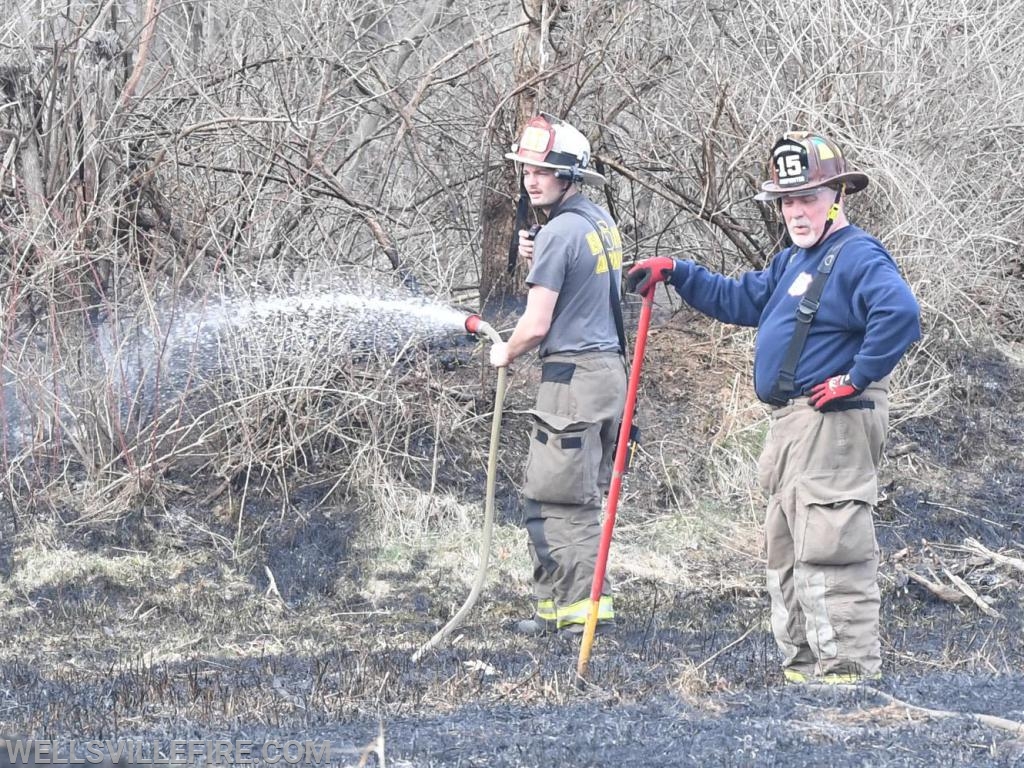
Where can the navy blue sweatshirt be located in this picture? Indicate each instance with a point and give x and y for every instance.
(867, 319)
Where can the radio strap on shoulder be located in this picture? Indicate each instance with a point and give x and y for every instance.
(805, 312)
(620, 329)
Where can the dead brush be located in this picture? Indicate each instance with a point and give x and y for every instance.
(262, 410)
(718, 471)
(417, 447)
(693, 685)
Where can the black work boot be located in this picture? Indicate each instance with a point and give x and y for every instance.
(846, 673)
(576, 630)
(536, 627)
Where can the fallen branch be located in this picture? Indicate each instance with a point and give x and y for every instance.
(975, 546)
(958, 583)
(975, 598)
(374, 747)
(1011, 726)
(940, 591)
(734, 643)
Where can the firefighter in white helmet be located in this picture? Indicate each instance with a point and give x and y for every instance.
(574, 274)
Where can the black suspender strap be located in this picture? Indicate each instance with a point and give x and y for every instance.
(613, 289)
(805, 312)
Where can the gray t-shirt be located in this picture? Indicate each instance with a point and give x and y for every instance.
(568, 258)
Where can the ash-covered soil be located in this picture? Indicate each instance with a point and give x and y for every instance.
(203, 645)
(688, 680)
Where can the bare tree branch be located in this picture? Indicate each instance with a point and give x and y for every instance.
(148, 31)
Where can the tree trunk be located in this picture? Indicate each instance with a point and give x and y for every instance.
(37, 229)
(499, 286)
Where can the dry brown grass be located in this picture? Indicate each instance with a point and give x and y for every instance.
(262, 153)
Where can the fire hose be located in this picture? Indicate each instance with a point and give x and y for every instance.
(474, 324)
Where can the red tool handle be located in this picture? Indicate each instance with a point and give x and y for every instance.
(621, 452)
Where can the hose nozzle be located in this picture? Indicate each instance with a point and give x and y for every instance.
(477, 325)
(473, 323)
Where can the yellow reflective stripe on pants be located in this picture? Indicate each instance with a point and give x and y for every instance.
(796, 676)
(577, 612)
(546, 610)
(852, 678)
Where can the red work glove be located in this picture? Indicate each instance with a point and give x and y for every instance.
(830, 390)
(646, 274)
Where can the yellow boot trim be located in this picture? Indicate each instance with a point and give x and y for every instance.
(796, 676)
(577, 612)
(846, 678)
(546, 609)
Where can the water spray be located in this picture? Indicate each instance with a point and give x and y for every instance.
(476, 325)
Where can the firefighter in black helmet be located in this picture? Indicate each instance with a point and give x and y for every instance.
(833, 316)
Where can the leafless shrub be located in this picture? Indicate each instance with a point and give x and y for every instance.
(173, 151)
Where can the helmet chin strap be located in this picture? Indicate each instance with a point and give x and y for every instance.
(833, 214)
(565, 190)
(561, 197)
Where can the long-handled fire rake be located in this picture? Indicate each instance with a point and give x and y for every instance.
(618, 470)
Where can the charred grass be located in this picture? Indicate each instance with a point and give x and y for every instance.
(299, 614)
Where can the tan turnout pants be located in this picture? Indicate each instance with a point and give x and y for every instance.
(572, 445)
(820, 471)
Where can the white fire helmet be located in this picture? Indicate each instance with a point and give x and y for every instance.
(548, 142)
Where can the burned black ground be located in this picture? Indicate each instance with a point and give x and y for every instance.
(694, 682)
(210, 648)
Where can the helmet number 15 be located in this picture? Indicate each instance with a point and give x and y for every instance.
(788, 166)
